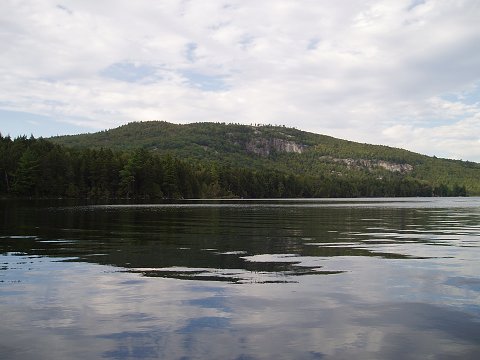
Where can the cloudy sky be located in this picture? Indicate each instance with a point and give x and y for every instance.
(404, 73)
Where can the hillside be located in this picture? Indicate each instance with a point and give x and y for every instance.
(282, 149)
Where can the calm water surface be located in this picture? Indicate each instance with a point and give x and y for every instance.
(297, 279)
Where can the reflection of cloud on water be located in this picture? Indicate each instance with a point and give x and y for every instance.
(405, 286)
(90, 311)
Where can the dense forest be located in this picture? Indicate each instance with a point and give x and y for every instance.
(268, 148)
(32, 167)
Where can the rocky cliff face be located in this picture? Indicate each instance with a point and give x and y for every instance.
(393, 167)
(371, 164)
(264, 147)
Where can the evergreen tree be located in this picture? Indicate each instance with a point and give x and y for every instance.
(27, 173)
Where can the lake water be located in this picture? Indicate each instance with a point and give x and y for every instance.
(291, 279)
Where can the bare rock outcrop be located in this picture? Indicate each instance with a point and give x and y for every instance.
(264, 147)
(371, 164)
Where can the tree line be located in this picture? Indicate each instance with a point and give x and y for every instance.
(32, 167)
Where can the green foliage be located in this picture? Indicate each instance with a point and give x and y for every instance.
(154, 160)
(322, 156)
(27, 173)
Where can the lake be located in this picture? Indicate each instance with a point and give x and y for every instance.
(241, 279)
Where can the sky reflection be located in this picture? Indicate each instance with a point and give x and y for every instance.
(225, 284)
(374, 310)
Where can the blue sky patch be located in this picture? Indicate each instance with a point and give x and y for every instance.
(415, 3)
(313, 44)
(15, 123)
(128, 72)
(471, 97)
(205, 82)
(190, 52)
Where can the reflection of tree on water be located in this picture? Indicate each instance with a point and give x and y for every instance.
(217, 236)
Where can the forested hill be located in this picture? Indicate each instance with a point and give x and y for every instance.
(155, 160)
(283, 149)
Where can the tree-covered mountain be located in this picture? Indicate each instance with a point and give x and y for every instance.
(155, 160)
(288, 151)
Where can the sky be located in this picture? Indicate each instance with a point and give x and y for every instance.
(403, 73)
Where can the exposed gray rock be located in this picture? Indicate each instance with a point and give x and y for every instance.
(393, 167)
(371, 164)
(264, 147)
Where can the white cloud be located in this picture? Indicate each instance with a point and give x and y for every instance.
(458, 140)
(364, 70)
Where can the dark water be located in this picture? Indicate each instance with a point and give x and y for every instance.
(344, 279)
